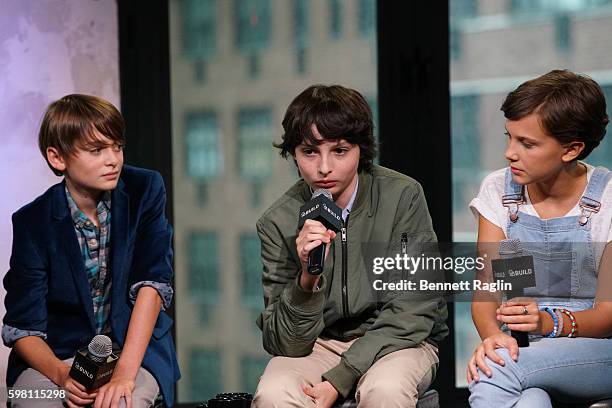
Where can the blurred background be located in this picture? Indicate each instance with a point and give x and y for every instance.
(203, 85)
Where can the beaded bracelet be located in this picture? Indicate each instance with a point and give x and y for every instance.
(560, 316)
(555, 329)
(574, 331)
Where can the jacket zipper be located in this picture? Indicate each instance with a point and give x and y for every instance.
(345, 305)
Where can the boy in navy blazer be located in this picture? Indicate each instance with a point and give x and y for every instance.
(92, 255)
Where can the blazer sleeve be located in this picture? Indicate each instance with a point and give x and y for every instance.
(152, 261)
(25, 283)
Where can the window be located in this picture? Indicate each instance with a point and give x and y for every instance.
(300, 33)
(203, 256)
(204, 374)
(528, 39)
(223, 130)
(366, 17)
(251, 268)
(204, 161)
(602, 154)
(252, 369)
(255, 137)
(335, 18)
(199, 42)
(465, 132)
(253, 26)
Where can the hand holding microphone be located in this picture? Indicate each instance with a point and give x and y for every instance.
(319, 220)
(519, 314)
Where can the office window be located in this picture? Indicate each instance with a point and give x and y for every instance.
(602, 154)
(462, 8)
(251, 268)
(252, 369)
(255, 138)
(300, 33)
(199, 29)
(466, 148)
(226, 171)
(529, 38)
(366, 16)
(204, 161)
(563, 32)
(203, 253)
(205, 379)
(253, 25)
(335, 18)
(530, 6)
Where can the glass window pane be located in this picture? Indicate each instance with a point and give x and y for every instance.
(248, 60)
(199, 28)
(202, 146)
(494, 47)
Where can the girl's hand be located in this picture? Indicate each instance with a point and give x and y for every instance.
(487, 349)
(521, 314)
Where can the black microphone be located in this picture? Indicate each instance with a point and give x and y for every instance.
(517, 269)
(320, 208)
(93, 365)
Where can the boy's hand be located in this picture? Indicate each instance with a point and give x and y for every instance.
(323, 393)
(76, 394)
(111, 393)
(312, 234)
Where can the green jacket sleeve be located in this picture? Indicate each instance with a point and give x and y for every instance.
(293, 318)
(405, 320)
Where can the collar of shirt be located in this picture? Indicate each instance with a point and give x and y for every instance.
(349, 206)
(79, 218)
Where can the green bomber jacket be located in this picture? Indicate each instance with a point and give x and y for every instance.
(388, 205)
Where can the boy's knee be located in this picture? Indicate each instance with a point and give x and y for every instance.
(279, 389)
(385, 392)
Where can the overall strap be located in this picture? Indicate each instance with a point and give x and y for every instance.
(590, 203)
(513, 196)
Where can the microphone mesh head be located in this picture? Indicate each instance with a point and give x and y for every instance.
(322, 191)
(100, 347)
(510, 247)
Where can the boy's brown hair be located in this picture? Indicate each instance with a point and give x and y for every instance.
(71, 121)
(570, 107)
(338, 113)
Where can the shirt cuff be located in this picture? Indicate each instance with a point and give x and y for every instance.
(164, 290)
(343, 377)
(11, 334)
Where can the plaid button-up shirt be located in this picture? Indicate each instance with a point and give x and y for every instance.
(95, 247)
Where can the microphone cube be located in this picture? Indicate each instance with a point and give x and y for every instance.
(92, 374)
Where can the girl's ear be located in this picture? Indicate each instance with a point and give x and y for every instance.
(572, 151)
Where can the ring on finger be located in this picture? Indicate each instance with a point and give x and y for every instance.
(525, 311)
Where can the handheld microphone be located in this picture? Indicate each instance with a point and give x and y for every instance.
(518, 270)
(93, 365)
(320, 208)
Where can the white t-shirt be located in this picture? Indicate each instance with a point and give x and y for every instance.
(488, 203)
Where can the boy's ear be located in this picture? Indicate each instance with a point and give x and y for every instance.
(573, 150)
(55, 159)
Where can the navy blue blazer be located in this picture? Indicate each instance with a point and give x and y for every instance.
(47, 287)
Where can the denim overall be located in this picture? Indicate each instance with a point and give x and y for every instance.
(568, 369)
(562, 248)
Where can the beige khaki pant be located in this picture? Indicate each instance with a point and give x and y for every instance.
(396, 380)
(144, 394)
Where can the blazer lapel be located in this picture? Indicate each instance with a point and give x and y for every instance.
(72, 250)
(120, 215)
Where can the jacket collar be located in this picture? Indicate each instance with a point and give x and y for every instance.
(367, 194)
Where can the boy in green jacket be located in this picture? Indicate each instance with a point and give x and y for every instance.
(328, 334)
